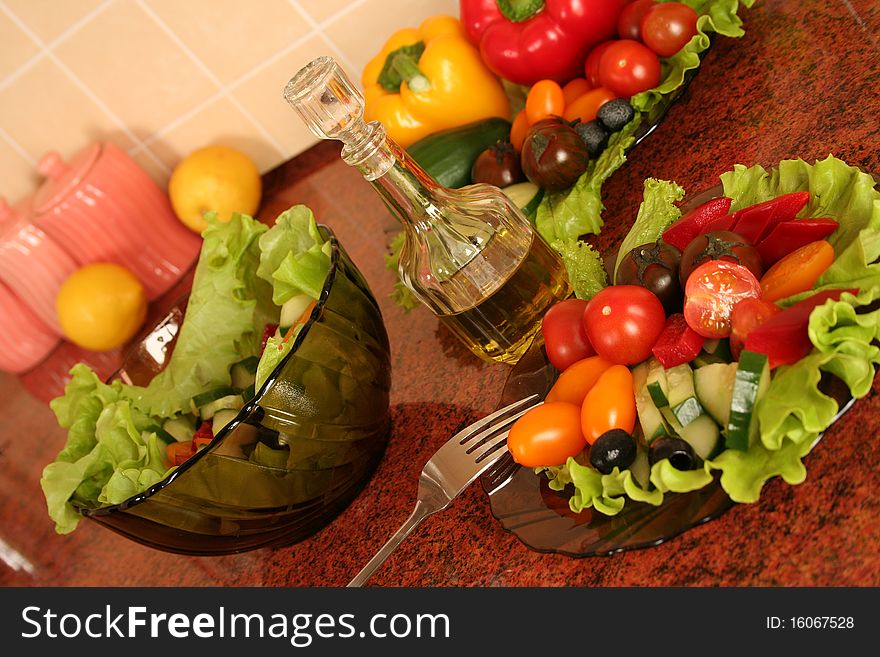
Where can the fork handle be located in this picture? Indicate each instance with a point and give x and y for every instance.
(420, 512)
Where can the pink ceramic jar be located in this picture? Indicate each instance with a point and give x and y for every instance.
(31, 263)
(24, 339)
(101, 206)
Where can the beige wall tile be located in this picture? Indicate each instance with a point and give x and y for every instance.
(17, 176)
(229, 36)
(361, 32)
(17, 46)
(44, 110)
(221, 122)
(261, 94)
(135, 68)
(154, 168)
(50, 18)
(321, 10)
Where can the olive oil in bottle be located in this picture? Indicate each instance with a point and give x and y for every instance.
(469, 254)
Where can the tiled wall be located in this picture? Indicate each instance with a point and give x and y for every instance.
(163, 77)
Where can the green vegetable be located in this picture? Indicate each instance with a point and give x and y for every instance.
(401, 295)
(448, 155)
(749, 386)
(586, 269)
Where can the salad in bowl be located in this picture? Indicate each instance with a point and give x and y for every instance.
(709, 354)
(249, 416)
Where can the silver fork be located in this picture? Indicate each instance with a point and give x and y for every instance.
(452, 468)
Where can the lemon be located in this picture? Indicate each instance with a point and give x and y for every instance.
(101, 306)
(217, 178)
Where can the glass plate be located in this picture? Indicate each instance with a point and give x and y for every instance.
(541, 518)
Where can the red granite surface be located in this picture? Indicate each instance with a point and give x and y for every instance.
(802, 83)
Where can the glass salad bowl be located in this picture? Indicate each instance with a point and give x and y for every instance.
(295, 455)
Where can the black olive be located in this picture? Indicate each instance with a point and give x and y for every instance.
(614, 448)
(679, 452)
(615, 114)
(594, 135)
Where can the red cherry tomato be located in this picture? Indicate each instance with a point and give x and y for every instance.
(629, 23)
(628, 67)
(565, 339)
(591, 66)
(623, 322)
(712, 291)
(667, 27)
(547, 435)
(745, 316)
(610, 404)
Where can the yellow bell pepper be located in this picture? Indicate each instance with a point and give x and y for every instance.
(428, 79)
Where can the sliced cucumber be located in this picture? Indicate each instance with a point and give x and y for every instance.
(641, 469)
(242, 374)
(719, 347)
(651, 421)
(704, 435)
(212, 395)
(293, 309)
(231, 402)
(522, 194)
(714, 387)
(752, 380)
(180, 428)
(706, 358)
(682, 398)
(221, 418)
(656, 382)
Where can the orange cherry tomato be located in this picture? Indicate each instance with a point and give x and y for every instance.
(544, 99)
(574, 89)
(586, 107)
(547, 435)
(518, 130)
(610, 404)
(798, 271)
(577, 379)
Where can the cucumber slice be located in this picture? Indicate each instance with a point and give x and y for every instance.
(293, 309)
(242, 375)
(180, 428)
(706, 358)
(682, 398)
(750, 384)
(232, 402)
(221, 418)
(714, 387)
(656, 383)
(641, 469)
(651, 421)
(205, 398)
(704, 435)
(522, 194)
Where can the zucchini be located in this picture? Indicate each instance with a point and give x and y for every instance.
(180, 428)
(714, 387)
(448, 155)
(232, 402)
(221, 419)
(682, 398)
(752, 380)
(650, 419)
(657, 385)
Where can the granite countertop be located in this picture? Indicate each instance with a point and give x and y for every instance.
(801, 83)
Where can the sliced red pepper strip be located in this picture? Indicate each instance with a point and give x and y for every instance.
(788, 236)
(268, 332)
(691, 224)
(678, 343)
(177, 453)
(756, 221)
(721, 223)
(784, 336)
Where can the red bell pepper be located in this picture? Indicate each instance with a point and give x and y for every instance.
(788, 236)
(784, 337)
(694, 222)
(756, 221)
(678, 343)
(721, 223)
(525, 41)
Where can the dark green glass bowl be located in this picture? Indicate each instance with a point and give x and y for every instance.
(321, 419)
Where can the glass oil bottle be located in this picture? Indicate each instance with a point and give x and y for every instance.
(469, 254)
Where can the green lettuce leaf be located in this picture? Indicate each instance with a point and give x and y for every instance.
(275, 352)
(657, 212)
(228, 308)
(586, 269)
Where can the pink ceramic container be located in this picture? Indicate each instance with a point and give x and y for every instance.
(31, 263)
(24, 339)
(101, 206)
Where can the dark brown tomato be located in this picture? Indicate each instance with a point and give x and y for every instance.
(498, 165)
(719, 245)
(553, 155)
(654, 266)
